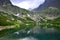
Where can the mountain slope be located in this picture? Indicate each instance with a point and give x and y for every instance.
(50, 12)
(49, 3)
(11, 15)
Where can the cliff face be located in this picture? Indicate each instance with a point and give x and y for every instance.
(49, 3)
(5, 2)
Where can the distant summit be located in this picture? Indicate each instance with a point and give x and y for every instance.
(49, 3)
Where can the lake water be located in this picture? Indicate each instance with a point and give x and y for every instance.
(32, 36)
(40, 37)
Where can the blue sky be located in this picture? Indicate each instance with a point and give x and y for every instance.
(27, 4)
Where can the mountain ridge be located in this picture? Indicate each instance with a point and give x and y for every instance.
(49, 3)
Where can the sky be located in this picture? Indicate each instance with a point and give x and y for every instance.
(27, 4)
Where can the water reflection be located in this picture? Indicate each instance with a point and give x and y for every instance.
(36, 33)
(55, 36)
(28, 38)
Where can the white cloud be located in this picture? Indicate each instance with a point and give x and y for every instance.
(30, 4)
(24, 5)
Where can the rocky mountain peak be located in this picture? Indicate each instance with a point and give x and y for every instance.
(5, 2)
(49, 3)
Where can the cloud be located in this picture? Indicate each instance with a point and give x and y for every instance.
(30, 4)
(24, 4)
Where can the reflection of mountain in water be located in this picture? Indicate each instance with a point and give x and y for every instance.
(36, 33)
